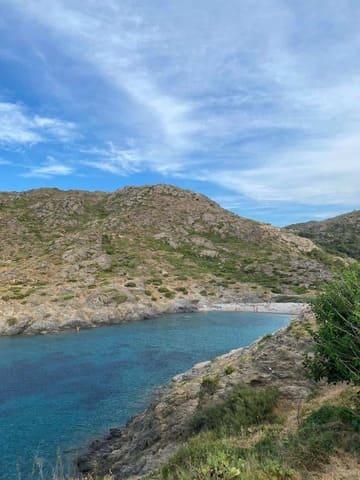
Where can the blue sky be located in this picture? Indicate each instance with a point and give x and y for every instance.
(254, 103)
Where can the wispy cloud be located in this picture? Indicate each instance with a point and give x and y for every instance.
(20, 127)
(121, 161)
(51, 168)
(321, 174)
(260, 98)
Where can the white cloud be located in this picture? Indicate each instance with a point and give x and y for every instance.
(19, 127)
(51, 168)
(114, 159)
(261, 98)
(321, 174)
(114, 43)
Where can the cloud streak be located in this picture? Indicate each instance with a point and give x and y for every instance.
(261, 99)
(18, 127)
(50, 168)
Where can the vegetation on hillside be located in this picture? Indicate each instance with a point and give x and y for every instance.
(149, 246)
(340, 234)
(265, 448)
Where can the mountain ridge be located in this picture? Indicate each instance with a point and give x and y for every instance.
(339, 234)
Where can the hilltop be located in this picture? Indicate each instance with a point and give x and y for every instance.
(339, 234)
(76, 258)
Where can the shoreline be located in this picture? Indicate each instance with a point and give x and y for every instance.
(290, 308)
(77, 321)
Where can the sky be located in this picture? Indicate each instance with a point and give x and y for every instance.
(255, 103)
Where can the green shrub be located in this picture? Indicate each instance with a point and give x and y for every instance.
(67, 296)
(322, 433)
(107, 245)
(209, 385)
(119, 297)
(244, 406)
(182, 290)
(170, 294)
(337, 340)
(229, 370)
(216, 453)
(17, 294)
(155, 281)
(130, 284)
(163, 290)
(327, 429)
(11, 321)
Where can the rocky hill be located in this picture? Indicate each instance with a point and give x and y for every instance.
(340, 234)
(74, 258)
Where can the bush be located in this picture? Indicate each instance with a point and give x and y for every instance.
(209, 385)
(182, 290)
(229, 370)
(170, 294)
(119, 298)
(245, 406)
(163, 290)
(216, 452)
(337, 340)
(327, 429)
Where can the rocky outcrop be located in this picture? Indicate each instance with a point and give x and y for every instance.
(149, 439)
(52, 319)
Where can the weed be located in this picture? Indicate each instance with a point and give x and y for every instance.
(229, 370)
(209, 385)
(243, 407)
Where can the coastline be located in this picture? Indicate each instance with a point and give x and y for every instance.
(150, 438)
(75, 320)
(290, 308)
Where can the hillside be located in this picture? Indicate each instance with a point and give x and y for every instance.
(251, 414)
(340, 234)
(75, 258)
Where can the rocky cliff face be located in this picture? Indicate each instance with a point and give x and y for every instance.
(340, 234)
(76, 259)
(152, 437)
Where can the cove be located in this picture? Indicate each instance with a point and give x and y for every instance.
(58, 392)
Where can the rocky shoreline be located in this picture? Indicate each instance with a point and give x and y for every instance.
(152, 437)
(43, 320)
(40, 321)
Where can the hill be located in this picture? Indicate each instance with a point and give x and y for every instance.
(340, 234)
(76, 258)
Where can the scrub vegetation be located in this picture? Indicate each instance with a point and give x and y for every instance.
(156, 245)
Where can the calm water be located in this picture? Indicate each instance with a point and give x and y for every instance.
(59, 391)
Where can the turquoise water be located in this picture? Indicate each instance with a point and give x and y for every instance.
(59, 391)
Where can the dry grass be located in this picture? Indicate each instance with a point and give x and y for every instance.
(341, 467)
